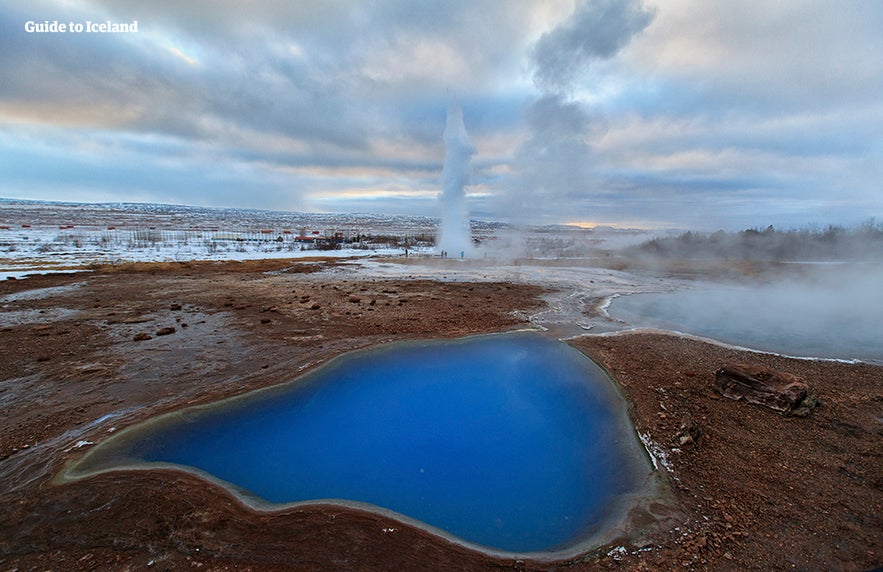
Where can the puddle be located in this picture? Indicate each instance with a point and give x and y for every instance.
(22, 317)
(41, 293)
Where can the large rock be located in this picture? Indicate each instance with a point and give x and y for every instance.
(777, 390)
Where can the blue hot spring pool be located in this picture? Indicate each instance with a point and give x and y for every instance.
(515, 442)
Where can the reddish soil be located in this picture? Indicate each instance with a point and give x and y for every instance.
(754, 490)
(760, 491)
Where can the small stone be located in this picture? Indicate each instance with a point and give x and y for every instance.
(806, 406)
(141, 336)
(174, 307)
(688, 432)
(165, 331)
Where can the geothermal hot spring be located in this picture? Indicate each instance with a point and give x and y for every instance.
(836, 312)
(513, 442)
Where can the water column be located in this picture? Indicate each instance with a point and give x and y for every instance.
(454, 236)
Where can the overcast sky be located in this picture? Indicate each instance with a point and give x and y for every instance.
(663, 113)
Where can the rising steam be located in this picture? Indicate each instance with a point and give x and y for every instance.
(454, 234)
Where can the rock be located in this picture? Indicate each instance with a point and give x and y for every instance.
(777, 390)
(174, 307)
(806, 406)
(140, 337)
(688, 432)
(165, 331)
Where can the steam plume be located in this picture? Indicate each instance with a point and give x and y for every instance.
(454, 233)
(554, 164)
(596, 31)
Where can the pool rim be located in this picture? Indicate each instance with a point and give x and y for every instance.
(614, 524)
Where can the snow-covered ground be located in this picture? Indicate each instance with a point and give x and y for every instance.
(27, 250)
(43, 236)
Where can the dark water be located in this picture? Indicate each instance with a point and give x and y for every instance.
(843, 321)
(515, 442)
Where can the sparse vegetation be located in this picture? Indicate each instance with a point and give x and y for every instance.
(863, 242)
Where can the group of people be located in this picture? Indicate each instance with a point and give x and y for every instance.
(444, 253)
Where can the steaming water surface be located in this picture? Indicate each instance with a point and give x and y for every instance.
(515, 441)
(841, 320)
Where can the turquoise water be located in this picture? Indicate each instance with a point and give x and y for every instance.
(515, 442)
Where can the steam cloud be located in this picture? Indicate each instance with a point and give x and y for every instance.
(596, 30)
(554, 164)
(454, 233)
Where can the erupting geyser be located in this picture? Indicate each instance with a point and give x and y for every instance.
(454, 236)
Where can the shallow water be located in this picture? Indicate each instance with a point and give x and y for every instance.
(515, 442)
(843, 321)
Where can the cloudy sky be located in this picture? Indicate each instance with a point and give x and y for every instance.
(662, 113)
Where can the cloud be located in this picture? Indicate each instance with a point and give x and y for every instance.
(283, 85)
(769, 57)
(740, 112)
(598, 110)
(62, 166)
(736, 118)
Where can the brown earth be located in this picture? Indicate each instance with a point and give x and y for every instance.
(752, 490)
